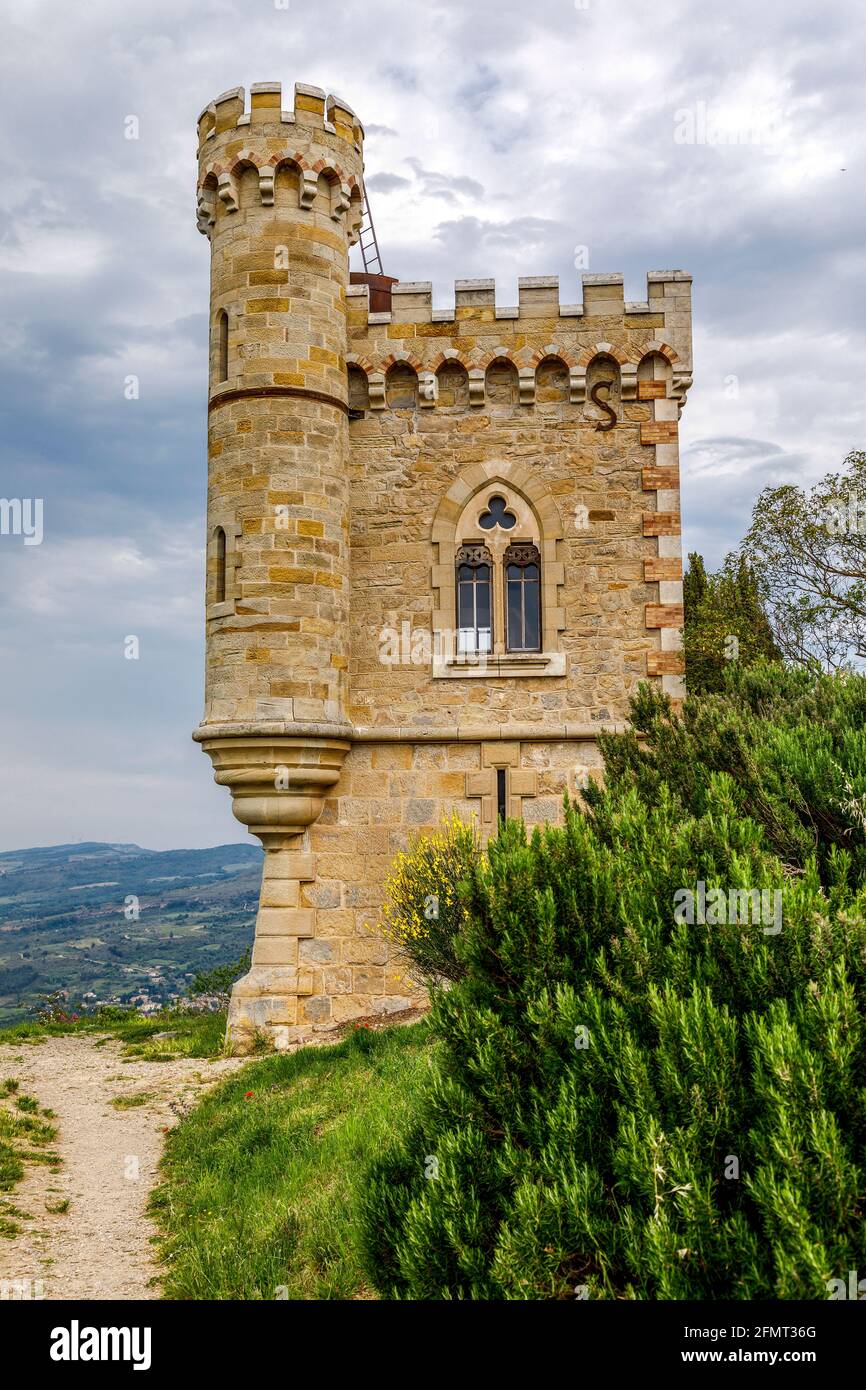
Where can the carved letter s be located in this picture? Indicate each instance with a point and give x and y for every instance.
(603, 405)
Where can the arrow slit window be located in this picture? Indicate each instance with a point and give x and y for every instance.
(501, 799)
(223, 561)
(222, 346)
(220, 576)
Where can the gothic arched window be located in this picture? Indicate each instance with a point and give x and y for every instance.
(522, 565)
(474, 599)
(497, 610)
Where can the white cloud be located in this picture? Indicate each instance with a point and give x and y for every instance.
(94, 583)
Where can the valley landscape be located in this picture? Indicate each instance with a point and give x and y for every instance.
(118, 924)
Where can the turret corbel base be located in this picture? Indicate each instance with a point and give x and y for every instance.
(278, 786)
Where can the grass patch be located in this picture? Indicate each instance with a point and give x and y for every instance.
(10, 1215)
(57, 1208)
(130, 1102)
(11, 1167)
(260, 1190)
(24, 1136)
(30, 1128)
(192, 1035)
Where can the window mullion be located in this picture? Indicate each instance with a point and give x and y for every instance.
(498, 598)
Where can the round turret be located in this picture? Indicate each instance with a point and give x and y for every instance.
(280, 199)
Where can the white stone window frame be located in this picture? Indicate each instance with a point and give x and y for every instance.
(233, 531)
(457, 524)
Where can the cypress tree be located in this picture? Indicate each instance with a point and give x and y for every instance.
(725, 622)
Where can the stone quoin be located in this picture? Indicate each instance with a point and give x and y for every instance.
(443, 546)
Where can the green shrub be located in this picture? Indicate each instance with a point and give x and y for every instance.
(627, 1105)
(792, 743)
(423, 912)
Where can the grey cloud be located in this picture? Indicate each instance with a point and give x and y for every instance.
(518, 232)
(721, 478)
(434, 183)
(561, 120)
(386, 183)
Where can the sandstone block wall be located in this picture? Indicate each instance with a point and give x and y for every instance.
(613, 494)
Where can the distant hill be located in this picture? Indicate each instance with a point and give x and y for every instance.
(117, 923)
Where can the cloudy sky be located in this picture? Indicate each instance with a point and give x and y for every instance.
(727, 140)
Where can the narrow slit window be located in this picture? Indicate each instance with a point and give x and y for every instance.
(522, 598)
(222, 346)
(501, 803)
(220, 577)
(474, 599)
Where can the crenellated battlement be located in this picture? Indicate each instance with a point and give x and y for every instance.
(312, 108)
(478, 332)
(320, 142)
(538, 297)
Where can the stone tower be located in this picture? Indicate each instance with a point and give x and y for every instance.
(443, 545)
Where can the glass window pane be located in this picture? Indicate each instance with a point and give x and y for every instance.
(474, 607)
(532, 616)
(515, 632)
(482, 593)
(465, 607)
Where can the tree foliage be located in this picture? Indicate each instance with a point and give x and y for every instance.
(790, 742)
(725, 622)
(809, 552)
(220, 978)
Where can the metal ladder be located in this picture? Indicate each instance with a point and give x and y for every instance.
(369, 247)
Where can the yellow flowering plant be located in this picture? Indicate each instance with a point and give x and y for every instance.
(424, 912)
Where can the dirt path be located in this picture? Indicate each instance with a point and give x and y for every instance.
(99, 1248)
